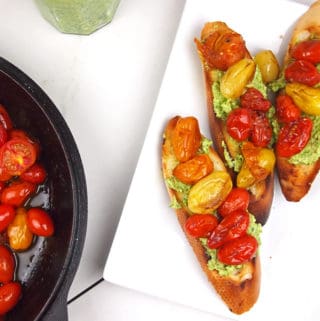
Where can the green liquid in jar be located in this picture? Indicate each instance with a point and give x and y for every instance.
(78, 16)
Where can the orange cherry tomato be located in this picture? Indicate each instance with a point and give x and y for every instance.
(222, 49)
(17, 193)
(238, 250)
(40, 222)
(17, 155)
(194, 169)
(7, 264)
(186, 138)
(20, 237)
(36, 174)
(238, 199)
(10, 294)
(232, 226)
(7, 214)
(201, 225)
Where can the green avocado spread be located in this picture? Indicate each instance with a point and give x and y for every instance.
(254, 229)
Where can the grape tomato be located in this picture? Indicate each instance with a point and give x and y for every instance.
(201, 225)
(238, 199)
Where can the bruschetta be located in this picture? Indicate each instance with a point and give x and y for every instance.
(298, 108)
(212, 213)
(239, 112)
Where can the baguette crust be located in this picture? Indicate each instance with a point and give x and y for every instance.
(239, 292)
(296, 179)
(261, 194)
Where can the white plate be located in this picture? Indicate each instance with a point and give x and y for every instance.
(150, 252)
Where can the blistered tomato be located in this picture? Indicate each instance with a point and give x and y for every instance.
(40, 222)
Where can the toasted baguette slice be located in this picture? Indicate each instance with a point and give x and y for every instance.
(296, 179)
(261, 193)
(239, 291)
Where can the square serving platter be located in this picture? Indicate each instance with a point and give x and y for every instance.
(150, 253)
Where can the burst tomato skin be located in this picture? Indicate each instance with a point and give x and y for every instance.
(7, 214)
(17, 193)
(201, 225)
(303, 72)
(254, 100)
(232, 226)
(293, 137)
(40, 222)
(261, 133)
(287, 111)
(238, 250)
(238, 199)
(10, 294)
(7, 264)
(308, 50)
(239, 124)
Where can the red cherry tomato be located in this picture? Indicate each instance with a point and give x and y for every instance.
(3, 135)
(239, 124)
(253, 99)
(40, 222)
(293, 137)
(287, 111)
(10, 294)
(17, 155)
(200, 225)
(7, 265)
(238, 251)
(307, 50)
(5, 119)
(7, 214)
(261, 129)
(17, 193)
(303, 72)
(232, 226)
(35, 174)
(238, 199)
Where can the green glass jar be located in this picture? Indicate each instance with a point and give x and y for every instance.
(80, 17)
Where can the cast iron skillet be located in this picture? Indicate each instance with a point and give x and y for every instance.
(47, 270)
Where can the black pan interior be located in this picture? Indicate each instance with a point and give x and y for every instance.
(43, 269)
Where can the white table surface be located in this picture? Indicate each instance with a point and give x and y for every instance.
(106, 86)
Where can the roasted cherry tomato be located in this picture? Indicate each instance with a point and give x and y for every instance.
(307, 50)
(238, 199)
(186, 138)
(17, 193)
(36, 174)
(222, 49)
(232, 226)
(238, 251)
(239, 124)
(17, 155)
(7, 264)
(7, 214)
(5, 119)
(201, 225)
(287, 111)
(4, 176)
(303, 72)
(293, 137)
(261, 133)
(194, 169)
(10, 294)
(40, 222)
(253, 99)
(20, 237)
